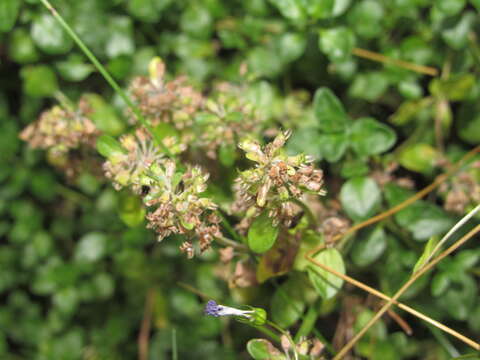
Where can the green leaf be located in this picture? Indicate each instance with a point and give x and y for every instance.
(455, 88)
(39, 81)
(260, 349)
(369, 85)
(327, 284)
(450, 7)
(332, 146)
(419, 157)
(49, 36)
(262, 234)
(264, 62)
(131, 210)
(354, 168)
(291, 46)
(468, 122)
(329, 111)
(422, 218)
(360, 197)
(288, 301)
(8, 14)
(104, 115)
(305, 140)
(366, 18)
(457, 36)
(21, 47)
(109, 147)
(147, 10)
(440, 283)
(74, 69)
(408, 111)
(369, 246)
(290, 9)
(320, 9)
(120, 41)
(91, 247)
(227, 155)
(337, 43)
(370, 137)
(427, 251)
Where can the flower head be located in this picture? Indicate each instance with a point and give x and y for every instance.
(226, 117)
(275, 181)
(178, 206)
(161, 101)
(62, 129)
(130, 169)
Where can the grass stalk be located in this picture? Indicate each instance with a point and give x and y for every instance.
(344, 351)
(374, 56)
(103, 71)
(425, 191)
(457, 226)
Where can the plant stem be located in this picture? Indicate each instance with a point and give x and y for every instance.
(404, 307)
(228, 242)
(307, 323)
(452, 231)
(287, 334)
(174, 344)
(367, 54)
(311, 218)
(404, 288)
(229, 227)
(106, 75)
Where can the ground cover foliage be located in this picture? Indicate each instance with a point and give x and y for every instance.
(309, 117)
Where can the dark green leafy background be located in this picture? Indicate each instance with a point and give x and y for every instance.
(76, 262)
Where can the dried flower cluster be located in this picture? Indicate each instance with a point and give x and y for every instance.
(67, 134)
(62, 129)
(162, 101)
(276, 180)
(462, 191)
(227, 118)
(130, 167)
(177, 205)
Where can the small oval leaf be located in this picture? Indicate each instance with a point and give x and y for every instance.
(262, 234)
(327, 284)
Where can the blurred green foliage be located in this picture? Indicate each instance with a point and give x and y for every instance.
(74, 276)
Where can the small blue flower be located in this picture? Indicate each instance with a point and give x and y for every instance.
(213, 309)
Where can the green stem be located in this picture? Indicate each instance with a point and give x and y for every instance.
(106, 75)
(287, 334)
(174, 344)
(307, 324)
(311, 218)
(229, 242)
(267, 332)
(229, 227)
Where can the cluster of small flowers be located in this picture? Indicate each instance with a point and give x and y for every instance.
(226, 118)
(129, 168)
(173, 197)
(62, 130)
(178, 207)
(219, 120)
(162, 101)
(276, 180)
